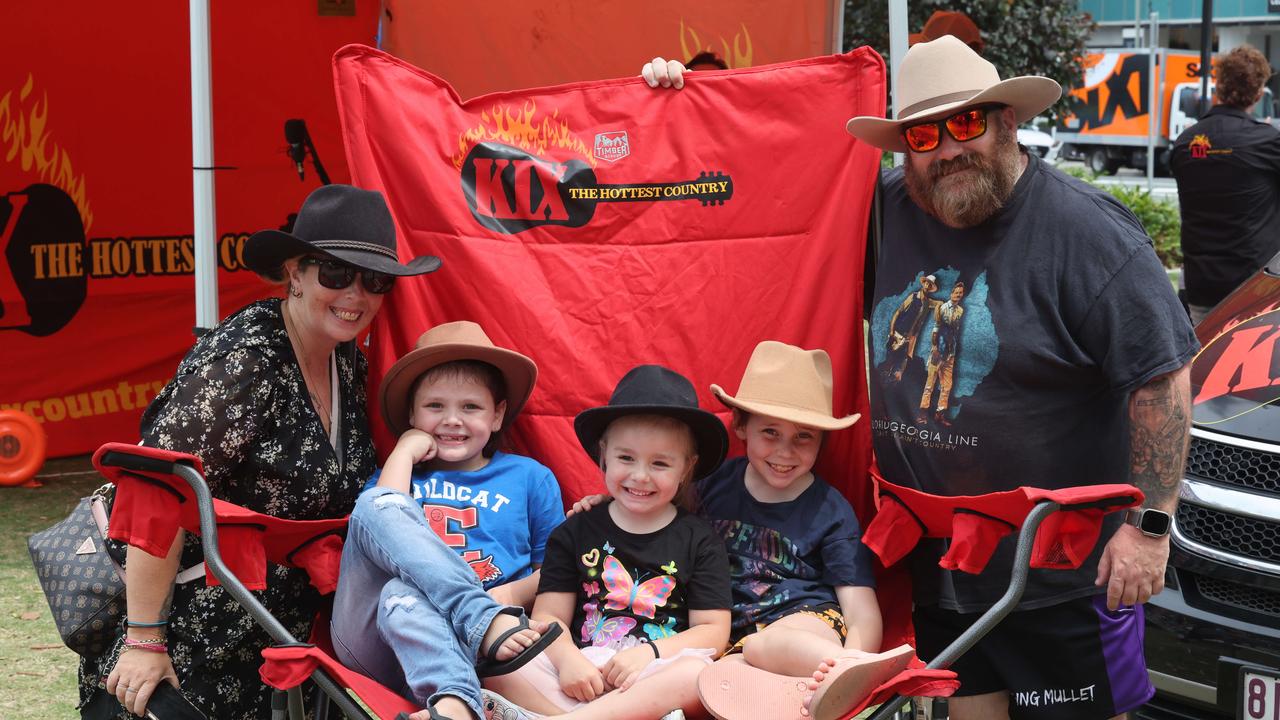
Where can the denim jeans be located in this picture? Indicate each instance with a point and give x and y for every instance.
(408, 611)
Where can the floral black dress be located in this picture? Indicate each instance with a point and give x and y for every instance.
(238, 401)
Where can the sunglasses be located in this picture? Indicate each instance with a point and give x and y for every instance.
(962, 127)
(339, 276)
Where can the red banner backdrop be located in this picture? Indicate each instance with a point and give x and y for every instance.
(497, 45)
(96, 291)
(600, 225)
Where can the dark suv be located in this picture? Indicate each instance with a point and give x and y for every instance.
(1213, 635)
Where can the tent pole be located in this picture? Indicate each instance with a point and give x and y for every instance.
(204, 229)
(897, 49)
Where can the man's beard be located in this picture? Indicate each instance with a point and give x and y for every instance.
(966, 201)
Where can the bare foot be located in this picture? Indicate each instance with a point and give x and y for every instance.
(514, 644)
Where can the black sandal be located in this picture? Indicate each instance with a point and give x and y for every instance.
(430, 710)
(490, 666)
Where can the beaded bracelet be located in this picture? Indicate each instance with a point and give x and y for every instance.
(157, 624)
(150, 642)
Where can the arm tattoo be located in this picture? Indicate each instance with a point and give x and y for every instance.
(1159, 433)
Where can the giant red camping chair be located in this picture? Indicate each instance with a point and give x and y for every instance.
(159, 491)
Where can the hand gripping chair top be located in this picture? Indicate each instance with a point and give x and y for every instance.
(1057, 529)
(158, 491)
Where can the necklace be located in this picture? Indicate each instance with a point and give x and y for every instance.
(309, 380)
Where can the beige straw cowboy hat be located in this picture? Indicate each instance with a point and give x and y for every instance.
(943, 76)
(444, 343)
(789, 383)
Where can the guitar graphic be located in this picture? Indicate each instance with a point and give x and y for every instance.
(509, 190)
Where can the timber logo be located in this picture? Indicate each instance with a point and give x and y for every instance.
(612, 146)
(1199, 146)
(511, 185)
(42, 284)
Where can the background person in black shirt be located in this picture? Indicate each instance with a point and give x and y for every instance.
(1228, 172)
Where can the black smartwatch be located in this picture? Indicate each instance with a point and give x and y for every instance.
(1151, 522)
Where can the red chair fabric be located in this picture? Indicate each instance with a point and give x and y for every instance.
(912, 682)
(288, 667)
(977, 523)
(150, 507)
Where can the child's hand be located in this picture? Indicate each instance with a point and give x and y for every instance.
(415, 445)
(579, 679)
(587, 502)
(624, 668)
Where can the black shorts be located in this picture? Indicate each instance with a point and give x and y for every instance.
(1074, 661)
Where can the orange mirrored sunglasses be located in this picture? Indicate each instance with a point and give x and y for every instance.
(962, 127)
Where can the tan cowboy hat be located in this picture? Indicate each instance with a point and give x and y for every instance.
(789, 383)
(444, 343)
(943, 76)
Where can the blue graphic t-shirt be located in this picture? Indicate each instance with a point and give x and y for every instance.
(498, 518)
(783, 556)
(1042, 321)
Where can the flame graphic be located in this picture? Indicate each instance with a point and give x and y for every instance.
(737, 55)
(521, 128)
(23, 130)
(1201, 141)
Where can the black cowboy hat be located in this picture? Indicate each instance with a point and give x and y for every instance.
(342, 222)
(655, 390)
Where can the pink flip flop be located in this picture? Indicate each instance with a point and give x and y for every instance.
(733, 690)
(852, 679)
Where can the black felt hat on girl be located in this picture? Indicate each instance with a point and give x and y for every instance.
(656, 390)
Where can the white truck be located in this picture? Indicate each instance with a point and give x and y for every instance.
(1109, 118)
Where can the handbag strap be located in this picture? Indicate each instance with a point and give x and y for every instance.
(98, 507)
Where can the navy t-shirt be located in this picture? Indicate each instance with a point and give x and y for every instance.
(1066, 311)
(783, 556)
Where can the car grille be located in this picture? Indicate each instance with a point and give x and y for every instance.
(1232, 465)
(1235, 534)
(1239, 596)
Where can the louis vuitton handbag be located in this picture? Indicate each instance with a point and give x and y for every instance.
(83, 583)
(82, 579)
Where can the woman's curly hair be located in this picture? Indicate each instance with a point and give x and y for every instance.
(1240, 77)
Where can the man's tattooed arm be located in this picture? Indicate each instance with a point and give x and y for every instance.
(1159, 432)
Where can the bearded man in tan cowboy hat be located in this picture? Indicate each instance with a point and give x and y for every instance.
(1073, 371)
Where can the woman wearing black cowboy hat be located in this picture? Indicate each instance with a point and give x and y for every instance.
(273, 401)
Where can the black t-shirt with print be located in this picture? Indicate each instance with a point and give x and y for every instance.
(783, 556)
(1228, 172)
(1066, 311)
(632, 588)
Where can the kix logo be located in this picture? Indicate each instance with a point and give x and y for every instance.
(47, 263)
(510, 184)
(1199, 146)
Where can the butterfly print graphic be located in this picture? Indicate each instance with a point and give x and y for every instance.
(656, 631)
(603, 631)
(640, 598)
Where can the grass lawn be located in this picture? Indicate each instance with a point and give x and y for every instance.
(40, 678)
